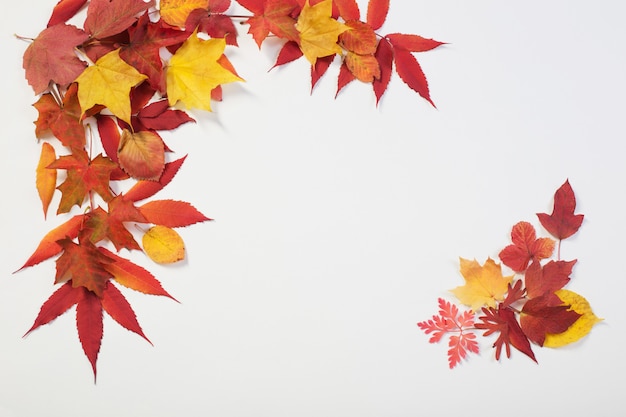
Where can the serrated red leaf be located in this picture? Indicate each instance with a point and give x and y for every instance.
(289, 52)
(411, 73)
(48, 247)
(171, 213)
(116, 306)
(345, 77)
(145, 189)
(133, 276)
(412, 43)
(65, 10)
(384, 55)
(377, 13)
(319, 69)
(89, 325)
(525, 248)
(540, 317)
(64, 298)
(359, 38)
(562, 223)
(62, 120)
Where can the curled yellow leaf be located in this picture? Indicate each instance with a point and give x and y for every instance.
(46, 179)
(581, 327)
(163, 245)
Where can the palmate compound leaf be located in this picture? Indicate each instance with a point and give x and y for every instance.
(450, 320)
(484, 285)
(194, 71)
(319, 31)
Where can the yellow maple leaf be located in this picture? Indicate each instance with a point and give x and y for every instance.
(176, 12)
(163, 245)
(580, 328)
(108, 82)
(484, 285)
(319, 32)
(194, 71)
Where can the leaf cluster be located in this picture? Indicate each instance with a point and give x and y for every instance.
(529, 307)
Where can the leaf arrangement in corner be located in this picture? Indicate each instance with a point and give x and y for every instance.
(529, 307)
(134, 69)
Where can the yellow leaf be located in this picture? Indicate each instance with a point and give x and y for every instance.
(141, 154)
(581, 327)
(163, 245)
(484, 285)
(108, 82)
(319, 32)
(46, 179)
(176, 12)
(194, 71)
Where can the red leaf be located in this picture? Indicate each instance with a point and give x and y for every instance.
(109, 17)
(171, 213)
(58, 303)
(515, 293)
(119, 309)
(84, 264)
(384, 55)
(503, 321)
(144, 189)
(540, 317)
(525, 248)
(377, 13)
(158, 116)
(345, 78)
(289, 52)
(89, 324)
(348, 9)
(48, 247)
(320, 68)
(133, 276)
(545, 280)
(412, 43)
(411, 73)
(63, 121)
(65, 10)
(562, 223)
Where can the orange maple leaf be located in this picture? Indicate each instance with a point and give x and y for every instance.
(484, 285)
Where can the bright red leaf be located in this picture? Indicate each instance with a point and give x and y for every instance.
(64, 298)
(89, 325)
(65, 10)
(525, 248)
(384, 55)
(144, 189)
(540, 317)
(116, 306)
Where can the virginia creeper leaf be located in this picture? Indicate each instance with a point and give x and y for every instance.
(484, 285)
(51, 57)
(581, 327)
(163, 245)
(46, 179)
(525, 248)
(171, 213)
(194, 71)
(562, 223)
(141, 154)
(319, 32)
(109, 17)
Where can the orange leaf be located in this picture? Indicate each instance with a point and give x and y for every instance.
(46, 177)
(364, 67)
(141, 154)
(171, 213)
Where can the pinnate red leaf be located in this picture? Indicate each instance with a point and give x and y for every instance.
(410, 71)
(525, 248)
(562, 223)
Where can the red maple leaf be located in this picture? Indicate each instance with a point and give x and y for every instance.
(545, 280)
(84, 265)
(271, 16)
(540, 316)
(450, 320)
(63, 120)
(562, 223)
(503, 322)
(525, 248)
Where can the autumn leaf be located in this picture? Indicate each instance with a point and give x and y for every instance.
(271, 16)
(51, 57)
(90, 326)
(84, 264)
(450, 320)
(141, 154)
(171, 213)
(525, 248)
(484, 285)
(163, 245)
(365, 68)
(359, 38)
(83, 176)
(46, 179)
(194, 71)
(562, 223)
(109, 225)
(63, 120)
(176, 12)
(64, 298)
(384, 56)
(144, 189)
(109, 17)
(503, 322)
(116, 306)
(159, 116)
(108, 82)
(348, 10)
(545, 280)
(581, 327)
(539, 317)
(377, 13)
(319, 32)
(65, 10)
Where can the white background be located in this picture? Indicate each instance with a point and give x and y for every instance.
(338, 224)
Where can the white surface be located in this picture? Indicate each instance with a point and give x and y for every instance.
(339, 224)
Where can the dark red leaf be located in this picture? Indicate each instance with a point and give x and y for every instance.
(320, 68)
(119, 309)
(539, 317)
(543, 280)
(171, 213)
(289, 52)
(65, 10)
(144, 189)
(59, 302)
(384, 55)
(562, 223)
(412, 43)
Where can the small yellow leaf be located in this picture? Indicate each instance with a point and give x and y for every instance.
(46, 179)
(581, 327)
(176, 12)
(108, 82)
(163, 245)
(319, 32)
(194, 71)
(484, 285)
(142, 154)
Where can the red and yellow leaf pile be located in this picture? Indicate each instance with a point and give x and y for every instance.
(530, 307)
